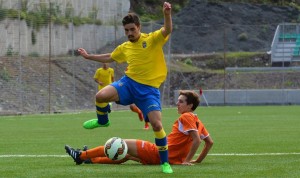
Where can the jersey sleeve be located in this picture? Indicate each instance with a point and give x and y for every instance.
(187, 123)
(204, 133)
(118, 55)
(159, 37)
(96, 74)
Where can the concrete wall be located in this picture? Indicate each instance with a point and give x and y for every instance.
(17, 34)
(249, 97)
(107, 9)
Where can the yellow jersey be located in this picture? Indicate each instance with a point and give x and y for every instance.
(145, 58)
(105, 76)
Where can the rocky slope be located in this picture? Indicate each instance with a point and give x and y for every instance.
(210, 26)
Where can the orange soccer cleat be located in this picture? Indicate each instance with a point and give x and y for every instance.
(146, 126)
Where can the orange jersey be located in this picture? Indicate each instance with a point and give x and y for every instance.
(179, 141)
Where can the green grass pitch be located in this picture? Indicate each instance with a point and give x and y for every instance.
(249, 141)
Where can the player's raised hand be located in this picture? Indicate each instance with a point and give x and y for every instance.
(167, 8)
(83, 52)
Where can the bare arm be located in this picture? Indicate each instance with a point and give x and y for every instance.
(104, 58)
(196, 142)
(98, 81)
(208, 144)
(112, 79)
(167, 29)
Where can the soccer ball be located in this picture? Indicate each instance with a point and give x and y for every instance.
(115, 148)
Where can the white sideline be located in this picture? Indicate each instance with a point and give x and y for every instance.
(252, 154)
(213, 154)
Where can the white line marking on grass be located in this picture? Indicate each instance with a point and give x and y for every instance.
(252, 154)
(213, 154)
(33, 156)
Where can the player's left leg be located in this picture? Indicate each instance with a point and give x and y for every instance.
(97, 156)
(148, 100)
(160, 140)
(103, 97)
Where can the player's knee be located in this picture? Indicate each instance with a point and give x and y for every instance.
(157, 126)
(101, 97)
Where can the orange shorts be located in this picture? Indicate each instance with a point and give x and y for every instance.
(147, 152)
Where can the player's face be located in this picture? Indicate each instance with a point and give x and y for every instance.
(132, 32)
(105, 66)
(182, 106)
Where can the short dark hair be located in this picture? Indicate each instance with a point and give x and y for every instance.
(191, 98)
(131, 18)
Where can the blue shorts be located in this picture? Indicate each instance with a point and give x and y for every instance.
(145, 97)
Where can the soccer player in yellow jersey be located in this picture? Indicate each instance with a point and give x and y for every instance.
(104, 76)
(140, 85)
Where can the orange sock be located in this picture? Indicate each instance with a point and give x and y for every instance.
(93, 153)
(98, 156)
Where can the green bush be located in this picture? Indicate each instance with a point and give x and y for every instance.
(176, 8)
(3, 14)
(243, 37)
(13, 13)
(60, 21)
(4, 75)
(188, 61)
(10, 51)
(77, 21)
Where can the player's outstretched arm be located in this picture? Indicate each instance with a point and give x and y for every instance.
(208, 144)
(195, 144)
(104, 58)
(167, 29)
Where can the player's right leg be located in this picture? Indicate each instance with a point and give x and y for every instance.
(160, 140)
(103, 97)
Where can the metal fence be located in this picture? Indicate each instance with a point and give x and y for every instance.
(40, 72)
